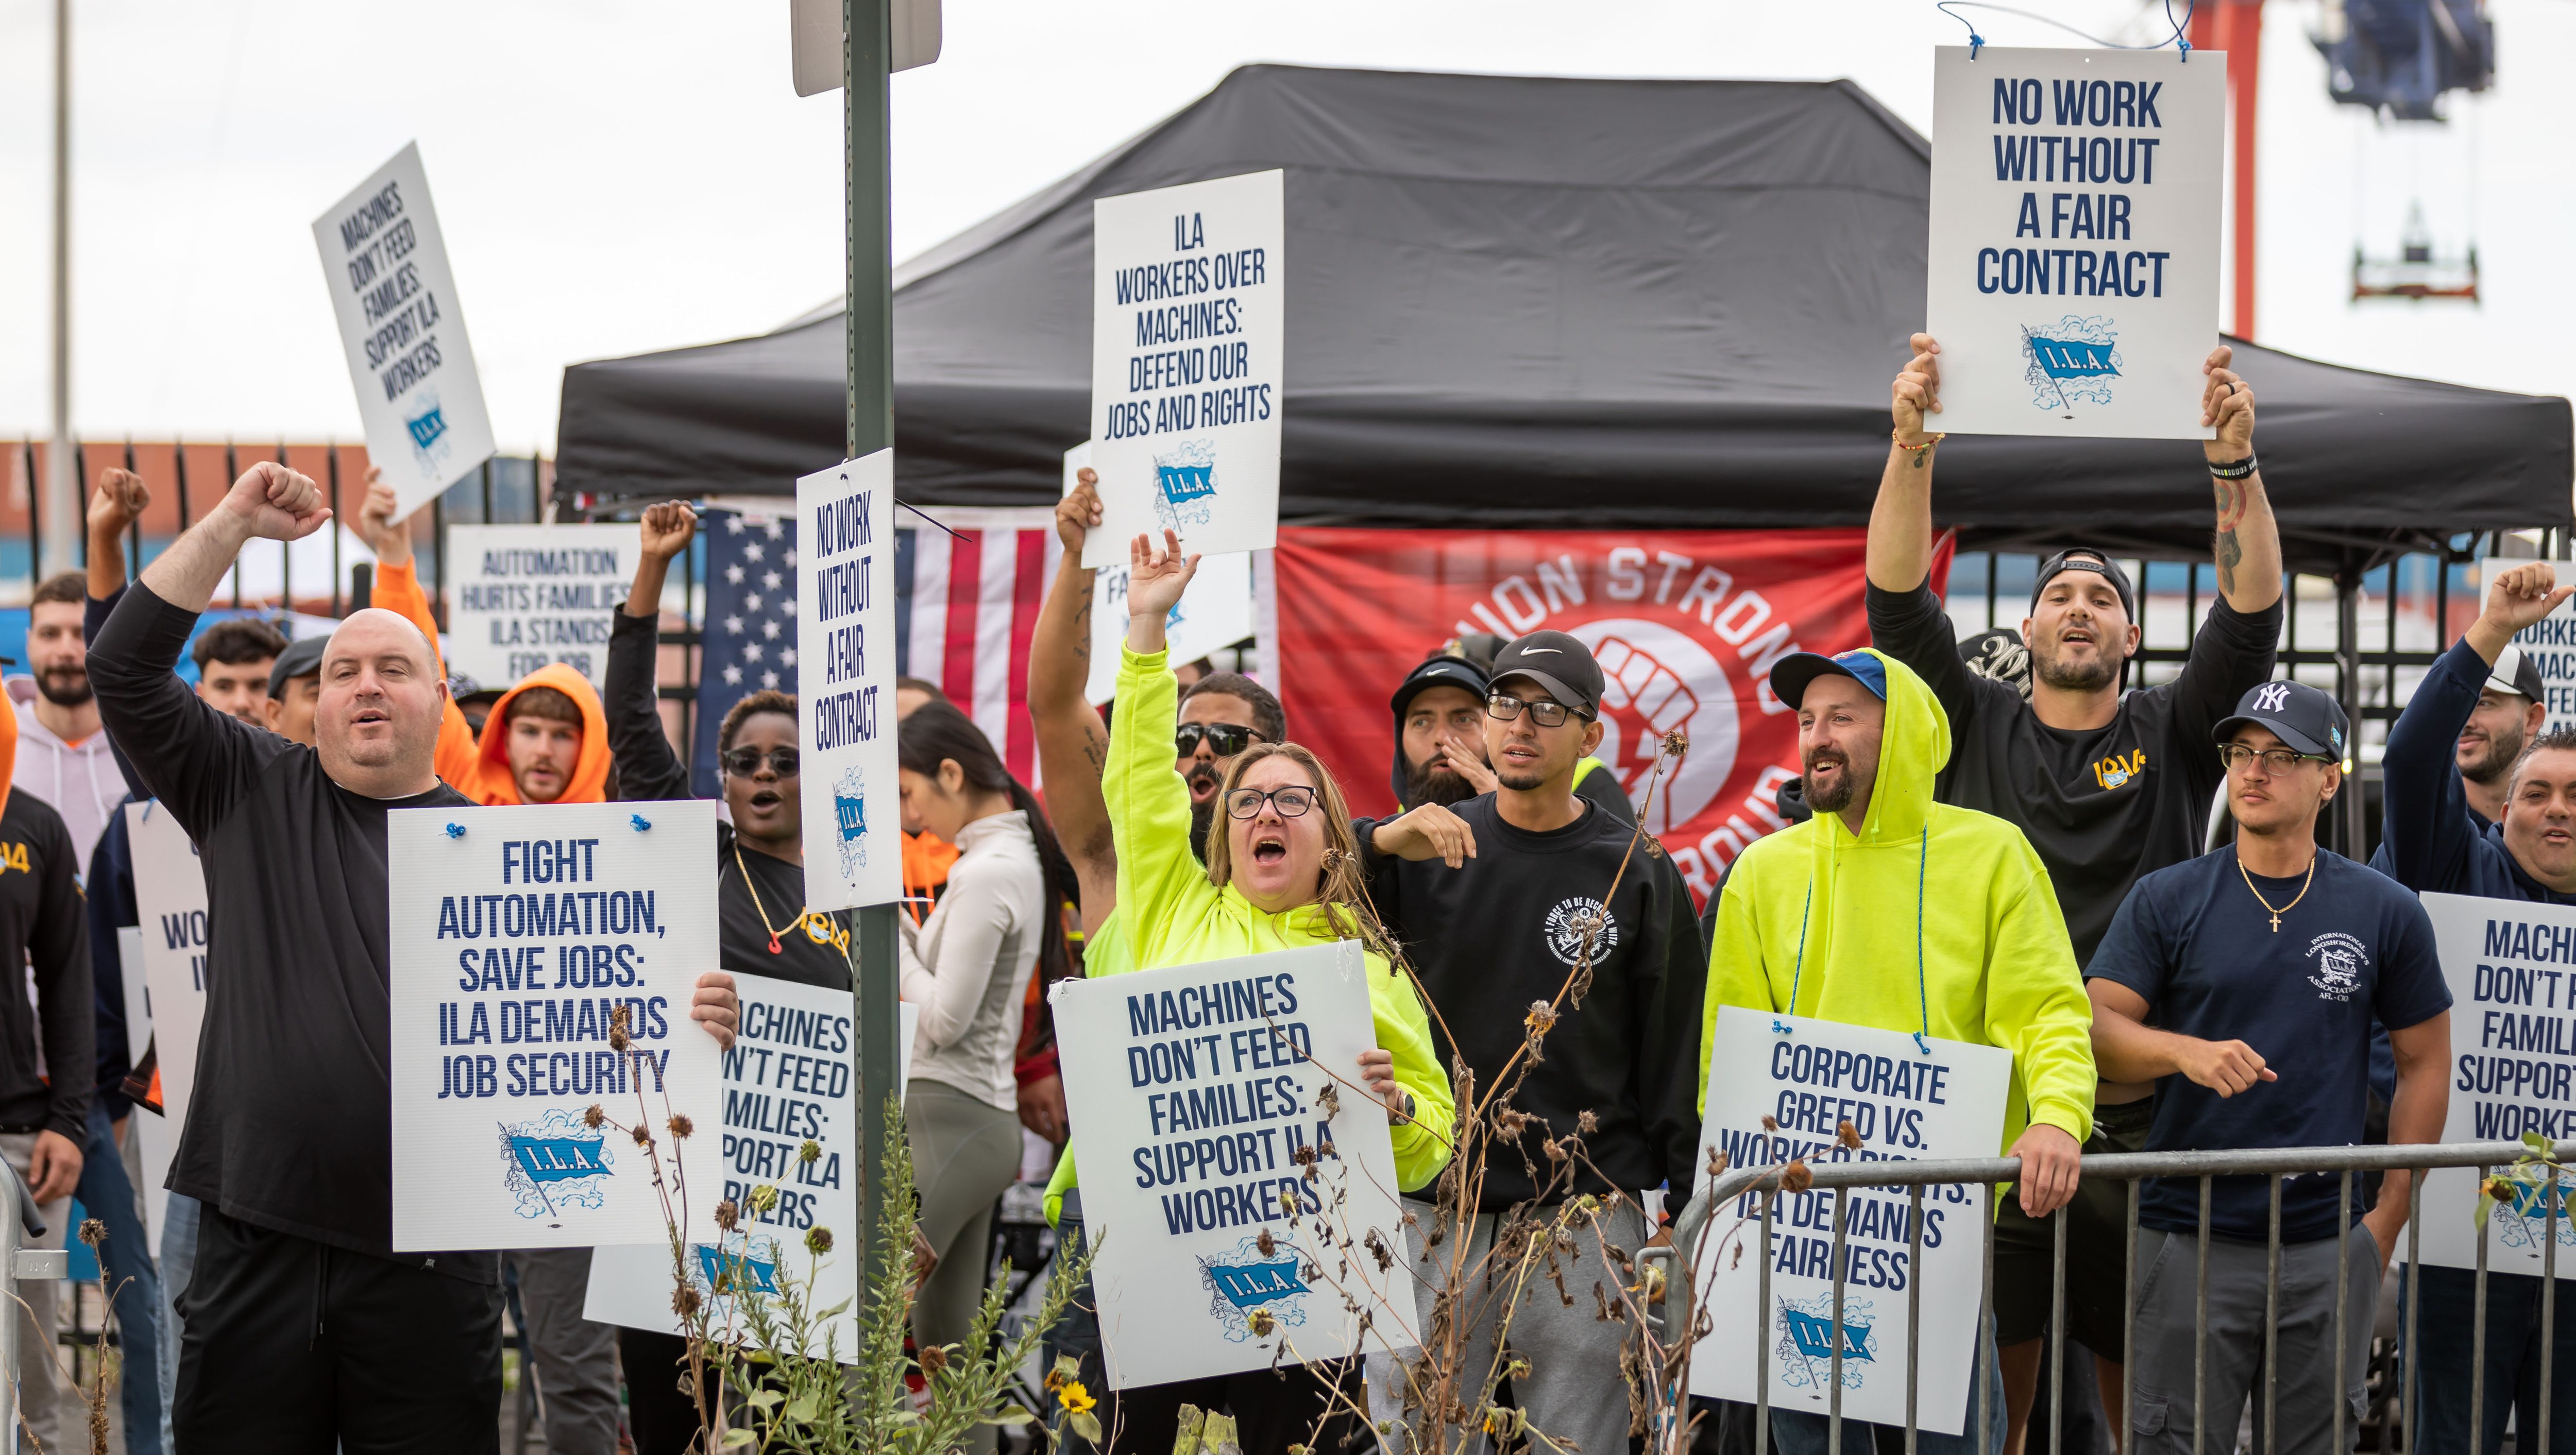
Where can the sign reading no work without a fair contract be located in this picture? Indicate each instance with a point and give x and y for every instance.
(2073, 272)
(408, 354)
(1186, 323)
(523, 937)
(522, 597)
(1231, 1161)
(2511, 966)
(1808, 1077)
(845, 683)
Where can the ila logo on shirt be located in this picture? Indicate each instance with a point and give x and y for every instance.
(2114, 771)
(2340, 962)
(1576, 921)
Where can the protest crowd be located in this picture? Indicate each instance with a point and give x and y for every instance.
(1956, 867)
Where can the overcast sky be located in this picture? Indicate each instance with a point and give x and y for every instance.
(618, 177)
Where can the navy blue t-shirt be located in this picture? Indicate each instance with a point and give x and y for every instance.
(2197, 946)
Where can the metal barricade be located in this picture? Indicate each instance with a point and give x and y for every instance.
(2132, 1167)
(19, 1221)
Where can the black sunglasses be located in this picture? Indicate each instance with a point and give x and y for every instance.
(1224, 739)
(744, 762)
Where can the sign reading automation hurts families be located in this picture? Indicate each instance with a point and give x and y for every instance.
(2073, 269)
(519, 936)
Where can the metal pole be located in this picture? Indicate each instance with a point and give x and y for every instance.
(133, 532)
(336, 519)
(62, 487)
(232, 472)
(285, 554)
(2352, 829)
(1762, 1338)
(868, 325)
(1834, 1364)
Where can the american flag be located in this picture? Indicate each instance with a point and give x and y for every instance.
(964, 609)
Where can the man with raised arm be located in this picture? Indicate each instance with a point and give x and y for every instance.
(305, 1331)
(2107, 786)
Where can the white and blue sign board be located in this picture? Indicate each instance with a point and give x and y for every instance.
(1192, 1091)
(1187, 320)
(2074, 261)
(1808, 1077)
(518, 934)
(845, 671)
(521, 597)
(170, 904)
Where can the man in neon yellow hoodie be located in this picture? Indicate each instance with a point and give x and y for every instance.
(1830, 918)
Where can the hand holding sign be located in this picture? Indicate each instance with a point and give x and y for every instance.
(277, 503)
(1917, 391)
(1078, 513)
(2226, 403)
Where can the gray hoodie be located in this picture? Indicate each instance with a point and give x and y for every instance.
(79, 779)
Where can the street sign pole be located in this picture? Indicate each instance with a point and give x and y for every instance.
(868, 47)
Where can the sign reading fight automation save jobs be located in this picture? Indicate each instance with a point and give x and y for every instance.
(408, 355)
(518, 934)
(1186, 319)
(2073, 268)
(1194, 1091)
(1809, 1079)
(844, 663)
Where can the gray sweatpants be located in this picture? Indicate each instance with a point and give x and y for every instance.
(1574, 1392)
(576, 1359)
(2312, 1375)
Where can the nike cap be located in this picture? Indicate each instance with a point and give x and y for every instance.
(302, 658)
(2515, 672)
(1556, 662)
(1792, 674)
(2302, 717)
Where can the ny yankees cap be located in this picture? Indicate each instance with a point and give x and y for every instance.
(1792, 674)
(2301, 716)
(1556, 662)
(2516, 673)
(2084, 558)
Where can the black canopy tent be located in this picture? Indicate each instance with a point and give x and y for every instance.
(1539, 302)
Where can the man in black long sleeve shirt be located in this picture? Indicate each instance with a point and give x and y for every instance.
(304, 1332)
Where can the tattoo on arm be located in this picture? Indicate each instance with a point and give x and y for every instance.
(1095, 750)
(2233, 500)
(2229, 553)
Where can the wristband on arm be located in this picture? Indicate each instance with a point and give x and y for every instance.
(2233, 469)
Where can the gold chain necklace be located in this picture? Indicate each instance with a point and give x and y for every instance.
(838, 937)
(2249, 886)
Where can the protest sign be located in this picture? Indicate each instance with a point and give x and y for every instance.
(790, 1080)
(845, 662)
(2073, 272)
(170, 905)
(408, 355)
(1186, 323)
(522, 597)
(519, 934)
(1808, 1077)
(2550, 643)
(2511, 967)
(1209, 1258)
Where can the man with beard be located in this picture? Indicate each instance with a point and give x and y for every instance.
(2107, 786)
(62, 756)
(1440, 737)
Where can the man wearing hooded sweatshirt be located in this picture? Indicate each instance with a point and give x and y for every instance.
(1440, 735)
(1814, 922)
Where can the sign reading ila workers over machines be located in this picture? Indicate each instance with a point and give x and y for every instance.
(2511, 967)
(1186, 322)
(2073, 269)
(523, 939)
(845, 683)
(1779, 1088)
(1229, 1153)
(521, 597)
(408, 354)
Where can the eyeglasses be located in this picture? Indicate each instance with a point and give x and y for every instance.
(744, 762)
(1291, 802)
(1224, 739)
(2275, 760)
(1546, 712)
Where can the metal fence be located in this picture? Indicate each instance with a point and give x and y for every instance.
(2275, 1164)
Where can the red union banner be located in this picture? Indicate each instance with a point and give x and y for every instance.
(1685, 624)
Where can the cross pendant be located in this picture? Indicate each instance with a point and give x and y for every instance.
(2276, 922)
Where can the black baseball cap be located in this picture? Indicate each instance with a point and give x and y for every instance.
(1557, 662)
(302, 658)
(1794, 673)
(2301, 716)
(2084, 558)
(2515, 672)
(1440, 669)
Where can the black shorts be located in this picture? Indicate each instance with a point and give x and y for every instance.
(2097, 1238)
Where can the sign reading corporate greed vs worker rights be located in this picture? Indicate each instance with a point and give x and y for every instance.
(2511, 967)
(844, 665)
(408, 355)
(2073, 270)
(1212, 1140)
(521, 597)
(1186, 323)
(1780, 1087)
(523, 939)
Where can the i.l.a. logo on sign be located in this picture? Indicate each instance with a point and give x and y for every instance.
(554, 1162)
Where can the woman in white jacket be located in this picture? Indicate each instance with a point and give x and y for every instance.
(968, 968)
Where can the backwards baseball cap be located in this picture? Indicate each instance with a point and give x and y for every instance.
(1791, 675)
(1440, 669)
(2516, 673)
(2083, 558)
(302, 658)
(2301, 716)
(1556, 662)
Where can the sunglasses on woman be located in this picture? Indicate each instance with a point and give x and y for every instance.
(1224, 739)
(744, 762)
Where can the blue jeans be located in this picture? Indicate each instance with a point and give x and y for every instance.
(1794, 1432)
(126, 1260)
(178, 1262)
(2444, 1330)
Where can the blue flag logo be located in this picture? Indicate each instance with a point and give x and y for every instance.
(2074, 359)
